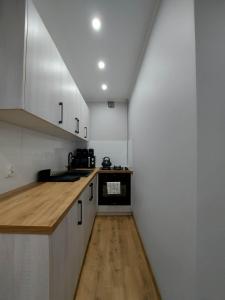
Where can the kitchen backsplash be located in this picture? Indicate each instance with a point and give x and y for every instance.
(116, 150)
(108, 128)
(24, 152)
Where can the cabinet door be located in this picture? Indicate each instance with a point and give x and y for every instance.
(72, 109)
(66, 255)
(84, 120)
(75, 249)
(91, 207)
(88, 214)
(85, 200)
(67, 90)
(43, 70)
(78, 112)
(93, 202)
(12, 19)
(68, 245)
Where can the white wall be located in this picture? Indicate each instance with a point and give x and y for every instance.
(210, 33)
(109, 132)
(163, 144)
(28, 152)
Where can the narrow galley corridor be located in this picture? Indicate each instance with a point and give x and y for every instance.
(115, 267)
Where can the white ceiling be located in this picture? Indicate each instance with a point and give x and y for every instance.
(125, 28)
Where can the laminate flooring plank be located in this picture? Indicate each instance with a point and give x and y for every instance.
(115, 267)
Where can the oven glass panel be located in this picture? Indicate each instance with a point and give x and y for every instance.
(114, 189)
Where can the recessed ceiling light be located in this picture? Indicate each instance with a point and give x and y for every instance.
(101, 65)
(104, 87)
(96, 24)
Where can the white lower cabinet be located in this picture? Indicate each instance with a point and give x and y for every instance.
(89, 213)
(69, 242)
(92, 203)
(47, 267)
(65, 256)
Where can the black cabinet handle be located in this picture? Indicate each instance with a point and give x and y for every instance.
(77, 125)
(85, 132)
(92, 191)
(61, 105)
(76, 130)
(81, 213)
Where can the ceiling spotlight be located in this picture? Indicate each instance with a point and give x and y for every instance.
(101, 65)
(104, 87)
(96, 24)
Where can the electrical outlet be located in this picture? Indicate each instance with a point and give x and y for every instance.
(10, 171)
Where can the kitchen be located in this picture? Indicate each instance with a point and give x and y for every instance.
(133, 80)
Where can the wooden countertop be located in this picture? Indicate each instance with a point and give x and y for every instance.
(39, 209)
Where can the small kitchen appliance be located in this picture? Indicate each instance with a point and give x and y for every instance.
(106, 163)
(84, 158)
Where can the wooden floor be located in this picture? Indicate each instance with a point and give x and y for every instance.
(115, 267)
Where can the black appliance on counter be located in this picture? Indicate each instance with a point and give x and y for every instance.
(106, 163)
(114, 188)
(48, 176)
(83, 158)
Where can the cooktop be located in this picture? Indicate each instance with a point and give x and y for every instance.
(117, 168)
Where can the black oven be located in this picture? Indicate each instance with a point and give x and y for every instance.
(114, 189)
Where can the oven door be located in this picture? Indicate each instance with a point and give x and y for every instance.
(114, 189)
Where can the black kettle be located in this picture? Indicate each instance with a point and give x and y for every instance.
(106, 163)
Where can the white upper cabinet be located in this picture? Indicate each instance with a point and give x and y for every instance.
(75, 103)
(79, 115)
(34, 75)
(69, 100)
(12, 32)
(43, 71)
(84, 120)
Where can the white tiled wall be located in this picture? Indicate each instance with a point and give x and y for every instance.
(116, 150)
(109, 132)
(28, 152)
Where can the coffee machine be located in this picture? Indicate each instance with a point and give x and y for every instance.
(91, 158)
(84, 158)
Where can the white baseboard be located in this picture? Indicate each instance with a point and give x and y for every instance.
(114, 210)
